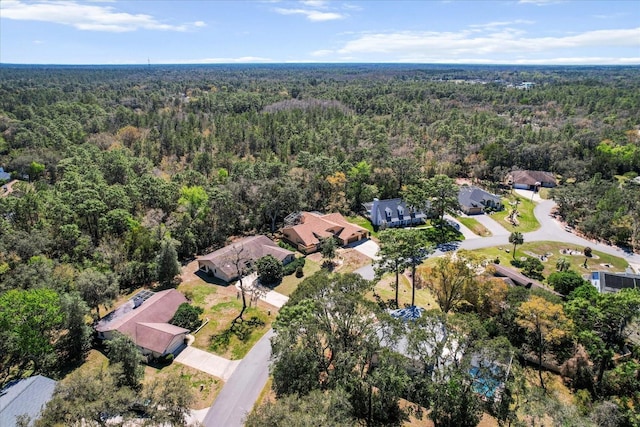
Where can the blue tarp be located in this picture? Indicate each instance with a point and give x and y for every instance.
(409, 313)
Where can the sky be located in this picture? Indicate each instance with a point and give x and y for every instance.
(526, 32)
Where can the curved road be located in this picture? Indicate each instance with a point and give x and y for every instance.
(551, 230)
(243, 387)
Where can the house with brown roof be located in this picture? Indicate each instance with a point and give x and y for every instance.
(530, 180)
(312, 227)
(223, 263)
(146, 322)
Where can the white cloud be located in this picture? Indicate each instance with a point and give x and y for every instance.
(89, 17)
(312, 15)
(199, 24)
(468, 43)
(314, 3)
(496, 24)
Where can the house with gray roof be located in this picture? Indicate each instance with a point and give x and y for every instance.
(393, 213)
(605, 281)
(222, 263)
(25, 397)
(474, 200)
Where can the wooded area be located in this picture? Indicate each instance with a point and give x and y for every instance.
(125, 171)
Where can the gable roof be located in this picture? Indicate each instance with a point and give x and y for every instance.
(531, 177)
(27, 396)
(474, 197)
(313, 227)
(252, 248)
(391, 210)
(157, 336)
(160, 308)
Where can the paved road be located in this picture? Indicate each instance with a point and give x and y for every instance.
(239, 394)
(551, 230)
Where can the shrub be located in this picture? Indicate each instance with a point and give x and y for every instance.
(187, 316)
(270, 270)
(292, 267)
(588, 252)
(168, 359)
(299, 272)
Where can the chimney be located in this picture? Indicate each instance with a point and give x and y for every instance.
(374, 211)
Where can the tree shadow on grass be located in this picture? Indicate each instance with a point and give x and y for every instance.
(241, 329)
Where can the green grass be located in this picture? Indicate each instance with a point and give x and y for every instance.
(364, 223)
(527, 221)
(385, 289)
(220, 317)
(197, 291)
(473, 225)
(545, 193)
(541, 248)
(290, 283)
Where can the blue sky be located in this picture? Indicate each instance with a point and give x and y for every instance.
(204, 31)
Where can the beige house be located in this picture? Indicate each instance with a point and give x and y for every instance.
(313, 227)
(223, 263)
(146, 323)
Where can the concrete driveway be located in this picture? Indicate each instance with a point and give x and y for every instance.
(367, 247)
(207, 362)
(493, 226)
(265, 294)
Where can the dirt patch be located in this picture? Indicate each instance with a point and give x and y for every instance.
(351, 260)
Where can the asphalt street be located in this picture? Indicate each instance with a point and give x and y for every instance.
(240, 392)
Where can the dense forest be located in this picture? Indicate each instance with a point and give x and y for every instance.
(123, 170)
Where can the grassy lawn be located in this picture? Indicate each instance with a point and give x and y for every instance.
(290, 283)
(220, 317)
(527, 221)
(385, 289)
(221, 305)
(597, 262)
(205, 387)
(473, 225)
(364, 223)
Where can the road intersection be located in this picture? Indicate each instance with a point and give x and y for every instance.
(243, 387)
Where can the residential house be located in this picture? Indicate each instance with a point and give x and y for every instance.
(392, 213)
(312, 227)
(515, 278)
(223, 263)
(474, 200)
(25, 397)
(145, 319)
(530, 180)
(605, 281)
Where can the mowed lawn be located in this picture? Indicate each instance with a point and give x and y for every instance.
(385, 289)
(473, 225)
(598, 262)
(221, 305)
(526, 220)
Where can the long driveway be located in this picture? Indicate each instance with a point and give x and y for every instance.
(240, 392)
